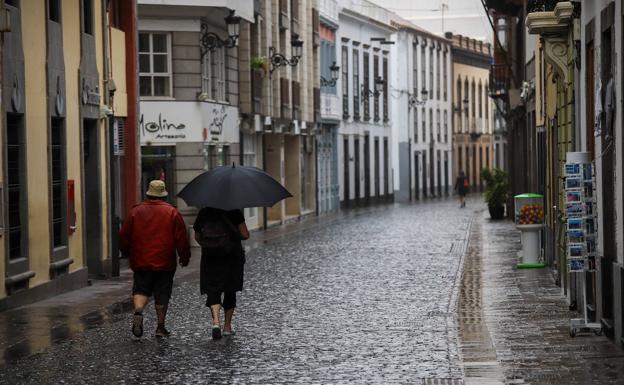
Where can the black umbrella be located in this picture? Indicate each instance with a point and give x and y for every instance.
(233, 187)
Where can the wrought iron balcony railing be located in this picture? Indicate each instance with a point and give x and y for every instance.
(541, 5)
(499, 80)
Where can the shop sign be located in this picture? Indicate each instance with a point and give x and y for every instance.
(171, 122)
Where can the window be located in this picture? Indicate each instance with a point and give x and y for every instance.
(473, 99)
(445, 82)
(423, 65)
(12, 3)
(487, 105)
(216, 155)
(438, 124)
(415, 125)
(466, 112)
(415, 71)
(87, 16)
(376, 95)
(18, 214)
(431, 124)
(431, 72)
(54, 10)
(385, 89)
(154, 68)
(214, 79)
(366, 86)
(345, 82)
(356, 84)
(58, 173)
(446, 126)
(480, 100)
(424, 124)
(115, 13)
(438, 74)
(328, 57)
(459, 107)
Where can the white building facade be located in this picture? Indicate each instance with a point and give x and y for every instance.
(365, 133)
(421, 90)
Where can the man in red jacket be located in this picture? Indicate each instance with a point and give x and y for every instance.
(150, 236)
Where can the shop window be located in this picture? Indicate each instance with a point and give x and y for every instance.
(154, 64)
(58, 174)
(431, 124)
(54, 10)
(87, 17)
(216, 155)
(16, 178)
(214, 75)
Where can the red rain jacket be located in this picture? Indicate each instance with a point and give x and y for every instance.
(151, 234)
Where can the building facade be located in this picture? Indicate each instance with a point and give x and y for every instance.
(473, 110)
(68, 117)
(365, 134)
(328, 188)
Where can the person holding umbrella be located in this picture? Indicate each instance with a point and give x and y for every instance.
(222, 193)
(219, 233)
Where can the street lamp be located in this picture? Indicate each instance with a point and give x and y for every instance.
(277, 59)
(379, 87)
(334, 76)
(413, 102)
(210, 41)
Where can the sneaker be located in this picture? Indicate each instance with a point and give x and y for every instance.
(137, 325)
(216, 332)
(162, 332)
(230, 333)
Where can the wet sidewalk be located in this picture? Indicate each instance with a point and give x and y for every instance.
(514, 324)
(31, 329)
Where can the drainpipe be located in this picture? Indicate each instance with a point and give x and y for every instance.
(113, 219)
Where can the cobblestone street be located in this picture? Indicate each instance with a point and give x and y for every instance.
(373, 295)
(367, 298)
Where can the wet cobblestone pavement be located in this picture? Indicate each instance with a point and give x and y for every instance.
(367, 298)
(514, 324)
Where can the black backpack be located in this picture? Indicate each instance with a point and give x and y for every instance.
(216, 231)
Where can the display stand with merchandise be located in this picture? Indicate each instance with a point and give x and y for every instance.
(529, 218)
(581, 230)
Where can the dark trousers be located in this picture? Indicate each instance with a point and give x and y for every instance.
(229, 299)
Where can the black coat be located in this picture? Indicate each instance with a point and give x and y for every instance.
(459, 185)
(220, 269)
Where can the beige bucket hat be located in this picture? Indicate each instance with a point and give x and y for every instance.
(157, 189)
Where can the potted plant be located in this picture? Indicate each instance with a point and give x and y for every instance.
(496, 191)
(260, 63)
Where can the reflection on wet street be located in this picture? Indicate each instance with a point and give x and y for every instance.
(400, 294)
(367, 298)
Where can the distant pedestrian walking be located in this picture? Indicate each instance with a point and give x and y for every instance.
(151, 234)
(462, 185)
(219, 233)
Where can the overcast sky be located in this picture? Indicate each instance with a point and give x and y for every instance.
(465, 17)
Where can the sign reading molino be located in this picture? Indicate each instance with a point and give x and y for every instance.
(167, 122)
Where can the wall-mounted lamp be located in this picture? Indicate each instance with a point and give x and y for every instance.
(210, 41)
(413, 102)
(277, 59)
(334, 76)
(379, 87)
